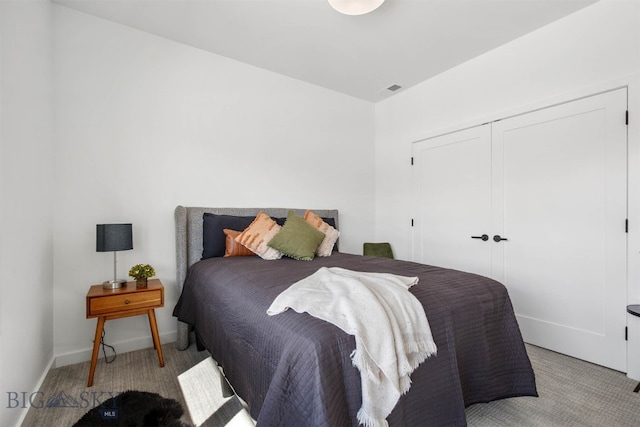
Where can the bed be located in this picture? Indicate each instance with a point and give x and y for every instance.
(295, 370)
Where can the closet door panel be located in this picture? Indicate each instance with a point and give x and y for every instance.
(452, 195)
(559, 186)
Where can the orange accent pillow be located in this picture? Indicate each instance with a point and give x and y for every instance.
(330, 234)
(234, 248)
(258, 234)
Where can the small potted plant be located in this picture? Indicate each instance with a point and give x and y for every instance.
(141, 272)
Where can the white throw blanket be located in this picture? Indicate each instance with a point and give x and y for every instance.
(391, 329)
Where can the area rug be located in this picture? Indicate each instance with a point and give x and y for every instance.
(211, 402)
(133, 409)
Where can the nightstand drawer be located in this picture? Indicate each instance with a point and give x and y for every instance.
(124, 302)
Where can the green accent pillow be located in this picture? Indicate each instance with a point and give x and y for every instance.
(297, 239)
(382, 250)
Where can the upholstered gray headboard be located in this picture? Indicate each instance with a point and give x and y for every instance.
(189, 241)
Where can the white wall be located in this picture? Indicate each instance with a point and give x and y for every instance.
(594, 46)
(145, 124)
(26, 185)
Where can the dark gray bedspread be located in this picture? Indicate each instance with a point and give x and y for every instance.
(295, 370)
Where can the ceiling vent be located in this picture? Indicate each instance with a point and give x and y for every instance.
(387, 91)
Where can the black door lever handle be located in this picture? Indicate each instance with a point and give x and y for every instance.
(484, 237)
(497, 238)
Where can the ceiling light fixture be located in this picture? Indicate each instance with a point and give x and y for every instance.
(355, 7)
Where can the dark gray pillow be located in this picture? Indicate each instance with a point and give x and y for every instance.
(213, 238)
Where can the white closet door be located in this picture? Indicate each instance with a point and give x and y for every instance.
(452, 191)
(559, 197)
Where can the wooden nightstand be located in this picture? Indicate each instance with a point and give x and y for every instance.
(107, 304)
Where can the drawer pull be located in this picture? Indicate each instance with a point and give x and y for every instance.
(127, 301)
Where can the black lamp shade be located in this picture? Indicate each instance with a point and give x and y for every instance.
(113, 237)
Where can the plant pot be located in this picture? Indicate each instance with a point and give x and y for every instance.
(141, 282)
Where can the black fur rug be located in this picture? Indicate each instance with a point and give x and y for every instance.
(134, 409)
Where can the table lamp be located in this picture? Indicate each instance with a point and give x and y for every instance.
(113, 238)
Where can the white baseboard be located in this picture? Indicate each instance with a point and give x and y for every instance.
(122, 347)
(25, 409)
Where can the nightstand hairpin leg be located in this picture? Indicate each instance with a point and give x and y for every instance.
(156, 337)
(96, 348)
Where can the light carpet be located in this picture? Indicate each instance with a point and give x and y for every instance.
(572, 392)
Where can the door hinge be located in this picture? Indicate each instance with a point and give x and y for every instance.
(411, 161)
(626, 333)
(626, 225)
(626, 117)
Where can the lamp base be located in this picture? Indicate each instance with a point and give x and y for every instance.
(113, 284)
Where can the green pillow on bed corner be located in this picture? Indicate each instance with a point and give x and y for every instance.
(297, 239)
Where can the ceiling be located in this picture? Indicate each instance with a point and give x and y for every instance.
(403, 42)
